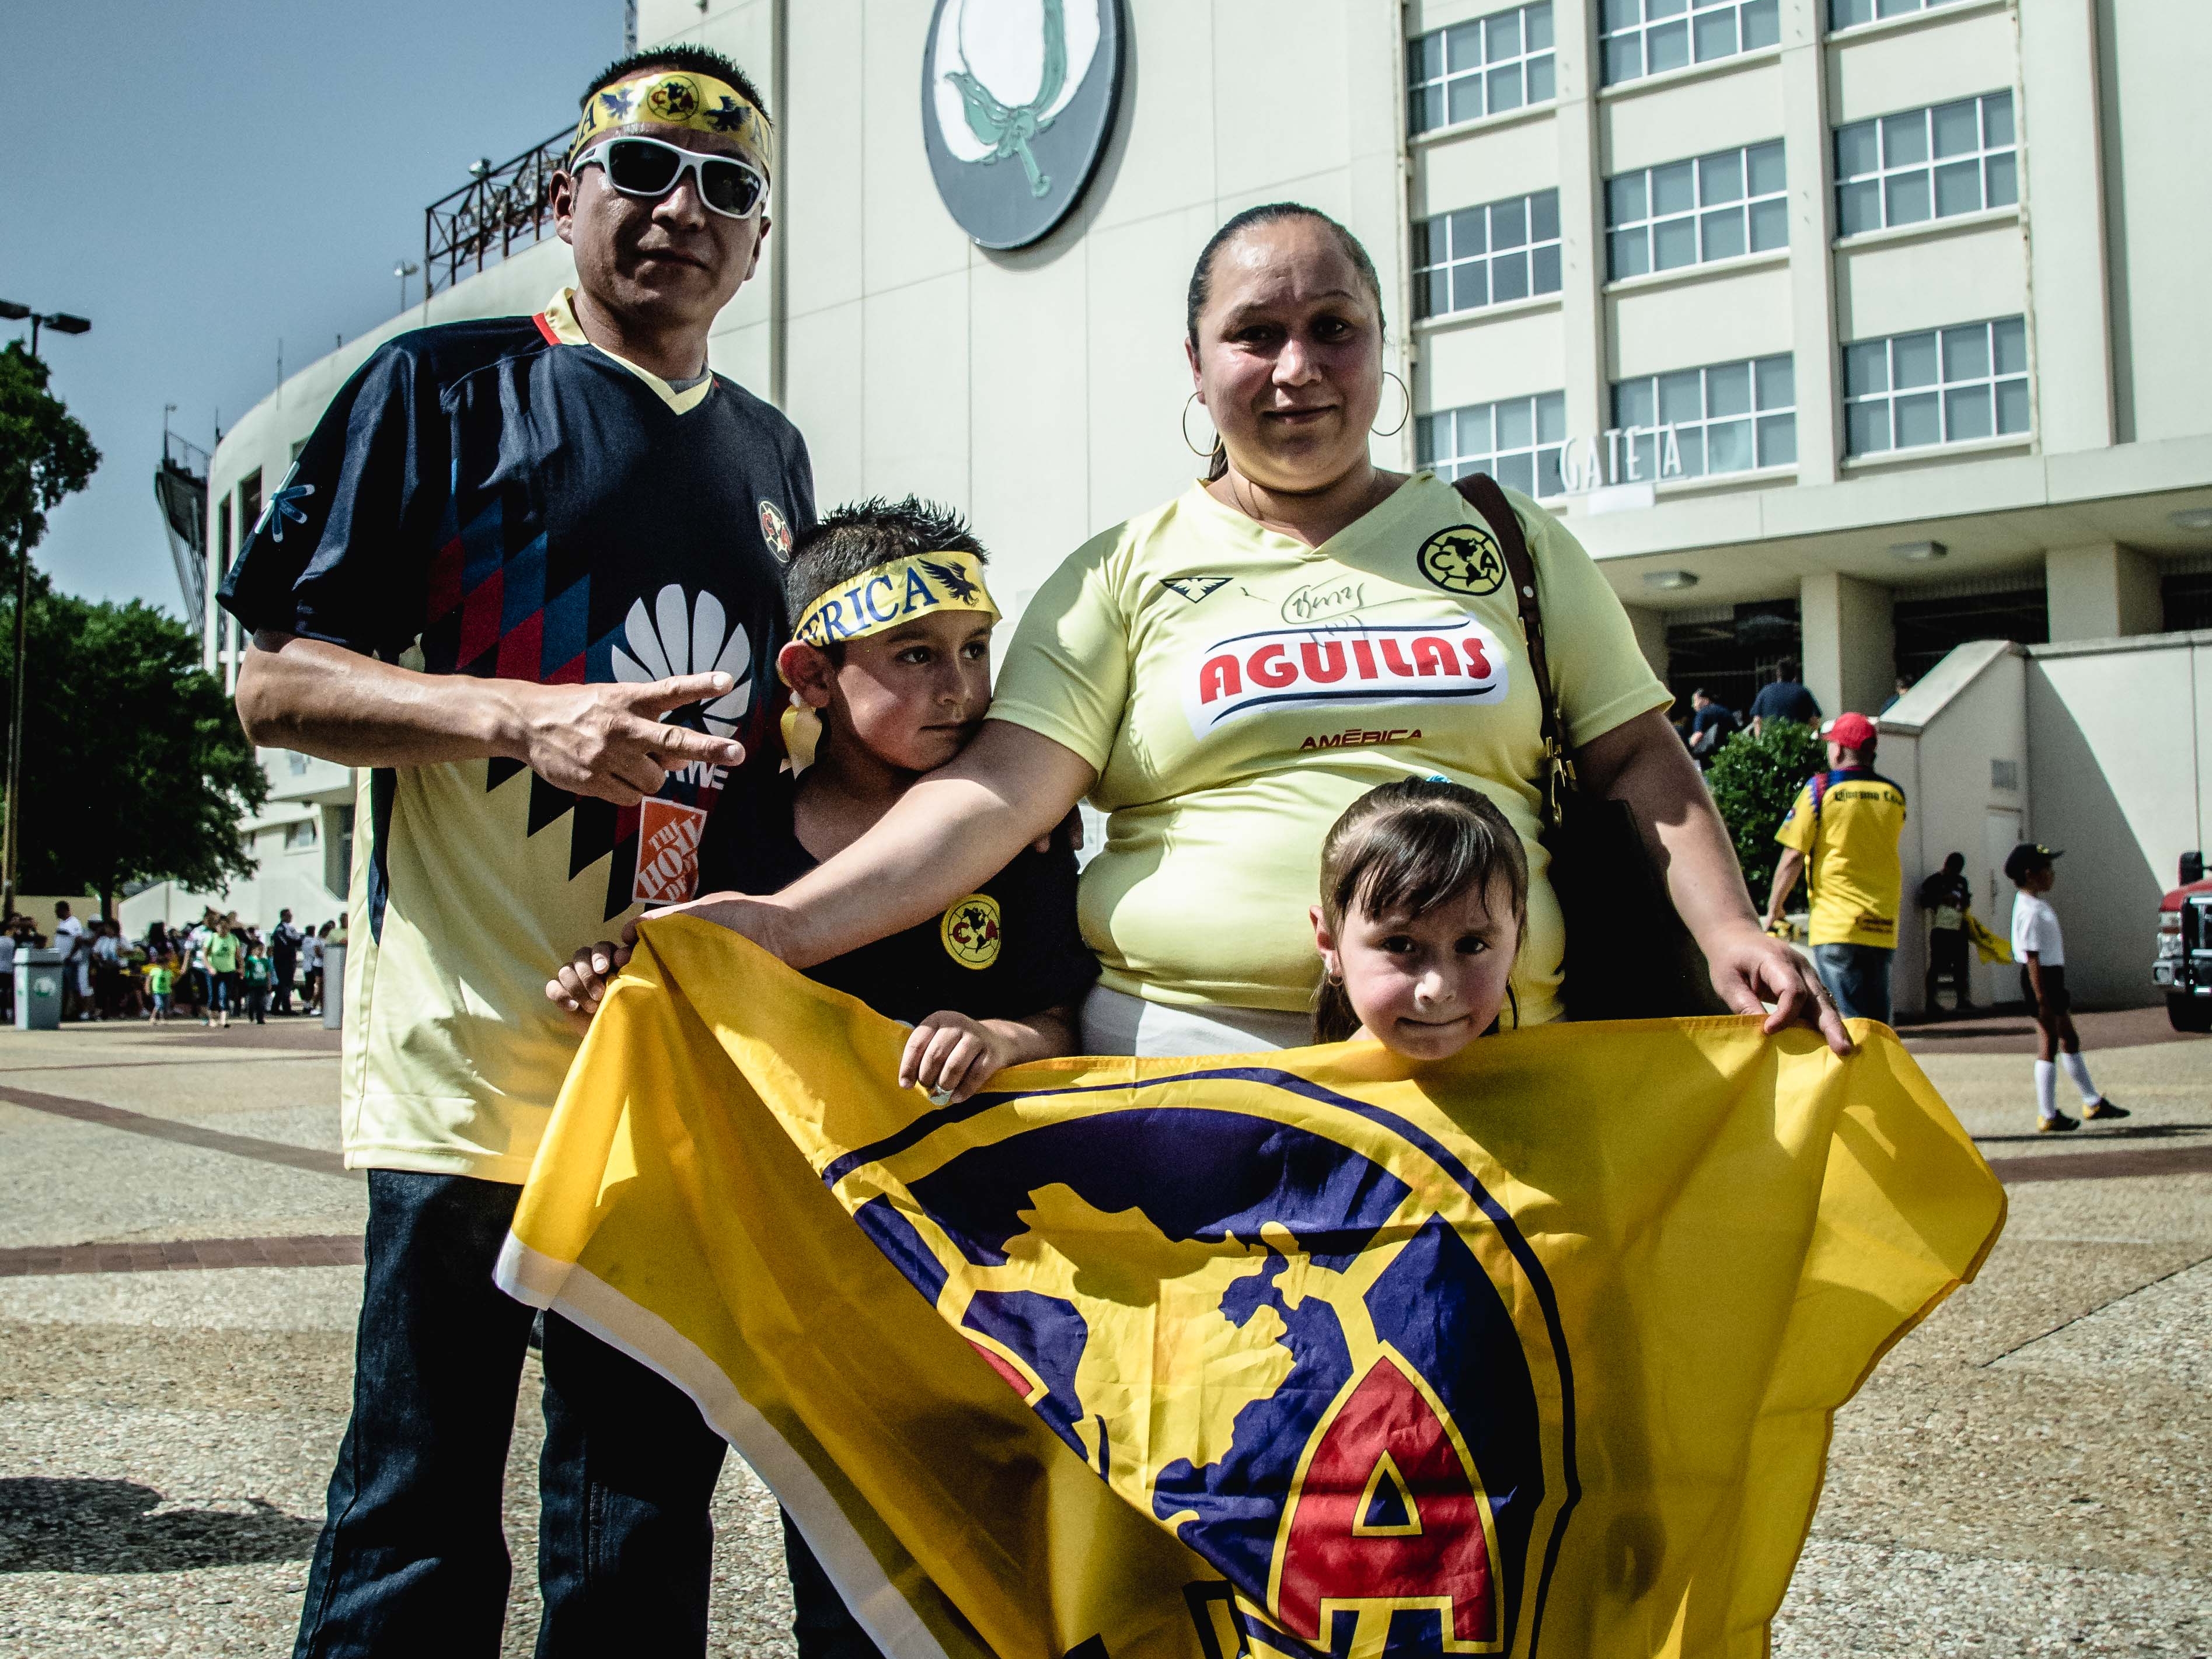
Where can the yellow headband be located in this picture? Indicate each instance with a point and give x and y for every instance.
(884, 596)
(677, 98)
(879, 598)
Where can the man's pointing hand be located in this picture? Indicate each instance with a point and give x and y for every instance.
(608, 740)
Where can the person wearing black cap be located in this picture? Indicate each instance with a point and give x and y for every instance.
(1947, 897)
(2040, 949)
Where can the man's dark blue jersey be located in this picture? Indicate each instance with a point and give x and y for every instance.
(503, 499)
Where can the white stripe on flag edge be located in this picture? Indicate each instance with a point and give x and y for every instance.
(581, 1297)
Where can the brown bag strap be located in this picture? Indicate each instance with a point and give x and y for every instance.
(1480, 492)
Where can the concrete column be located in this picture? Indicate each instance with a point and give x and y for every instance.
(2100, 592)
(1812, 229)
(1650, 628)
(1581, 224)
(1850, 642)
(2063, 207)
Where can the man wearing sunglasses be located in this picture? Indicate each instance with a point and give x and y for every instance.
(527, 574)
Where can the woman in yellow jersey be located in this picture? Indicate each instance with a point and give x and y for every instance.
(1225, 675)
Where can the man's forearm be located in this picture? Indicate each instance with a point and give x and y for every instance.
(1786, 871)
(324, 700)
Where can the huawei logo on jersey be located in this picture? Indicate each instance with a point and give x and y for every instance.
(675, 638)
(1368, 665)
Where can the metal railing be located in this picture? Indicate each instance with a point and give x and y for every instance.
(507, 206)
(181, 488)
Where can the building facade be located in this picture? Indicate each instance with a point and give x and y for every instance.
(1845, 330)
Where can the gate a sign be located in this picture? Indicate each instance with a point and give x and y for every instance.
(1387, 1514)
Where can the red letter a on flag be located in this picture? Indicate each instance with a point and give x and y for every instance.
(1387, 1517)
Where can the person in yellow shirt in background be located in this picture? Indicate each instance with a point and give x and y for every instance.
(1842, 833)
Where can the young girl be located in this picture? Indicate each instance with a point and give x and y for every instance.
(1424, 901)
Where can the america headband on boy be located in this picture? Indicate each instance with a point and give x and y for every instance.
(887, 596)
(881, 597)
(678, 98)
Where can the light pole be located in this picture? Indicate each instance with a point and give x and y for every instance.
(11, 832)
(403, 270)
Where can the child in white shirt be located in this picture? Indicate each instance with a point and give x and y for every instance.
(2040, 949)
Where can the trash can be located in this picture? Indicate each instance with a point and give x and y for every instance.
(37, 990)
(333, 985)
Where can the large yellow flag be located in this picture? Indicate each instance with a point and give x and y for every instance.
(1535, 1352)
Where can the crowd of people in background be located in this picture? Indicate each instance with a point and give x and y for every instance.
(217, 968)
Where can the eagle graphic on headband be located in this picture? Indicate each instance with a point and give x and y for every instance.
(678, 98)
(885, 596)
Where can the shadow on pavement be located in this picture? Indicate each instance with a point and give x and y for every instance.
(2091, 1134)
(104, 1526)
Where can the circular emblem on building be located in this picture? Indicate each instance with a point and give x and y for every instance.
(675, 99)
(1464, 559)
(1017, 101)
(775, 530)
(970, 930)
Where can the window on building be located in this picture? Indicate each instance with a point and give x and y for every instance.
(1482, 67)
(2185, 596)
(1930, 625)
(1848, 13)
(1485, 256)
(223, 542)
(1729, 651)
(299, 836)
(1517, 441)
(1941, 386)
(249, 506)
(1728, 417)
(1923, 164)
(338, 858)
(1650, 37)
(1686, 213)
(298, 444)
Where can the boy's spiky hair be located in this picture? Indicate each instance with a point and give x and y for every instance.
(855, 539)
(695, 60)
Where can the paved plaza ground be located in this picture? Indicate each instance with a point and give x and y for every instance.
(2030, 1472)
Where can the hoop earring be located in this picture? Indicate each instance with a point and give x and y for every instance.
(1407, 415)
(1207, 453)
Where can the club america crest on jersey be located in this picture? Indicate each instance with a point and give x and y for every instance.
(1017, 102)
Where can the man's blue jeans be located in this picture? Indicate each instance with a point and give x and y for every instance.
(1858, 977)
(413, 1558)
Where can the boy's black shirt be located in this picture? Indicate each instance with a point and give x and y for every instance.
(1010, 949)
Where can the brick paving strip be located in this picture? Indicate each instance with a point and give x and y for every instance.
(309, 1158)
(183, 1255)
(2086, 1165)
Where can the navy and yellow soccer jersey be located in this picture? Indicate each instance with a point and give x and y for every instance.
(504, 499)
(1847, 824)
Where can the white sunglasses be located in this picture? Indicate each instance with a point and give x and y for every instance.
(649, 168)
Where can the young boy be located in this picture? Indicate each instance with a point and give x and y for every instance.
(161, 980)
(889, 669)
(2040, 949)
(255, 970)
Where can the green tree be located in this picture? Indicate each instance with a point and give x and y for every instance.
(134, 765)
(1754, 782)
(45, 453)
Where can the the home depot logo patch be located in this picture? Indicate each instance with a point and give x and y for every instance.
(667, 852)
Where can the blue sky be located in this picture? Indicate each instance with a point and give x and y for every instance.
(209, 178)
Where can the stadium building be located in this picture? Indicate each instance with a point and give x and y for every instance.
(1854, 330)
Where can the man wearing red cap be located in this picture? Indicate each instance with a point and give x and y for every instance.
(1842, 834)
